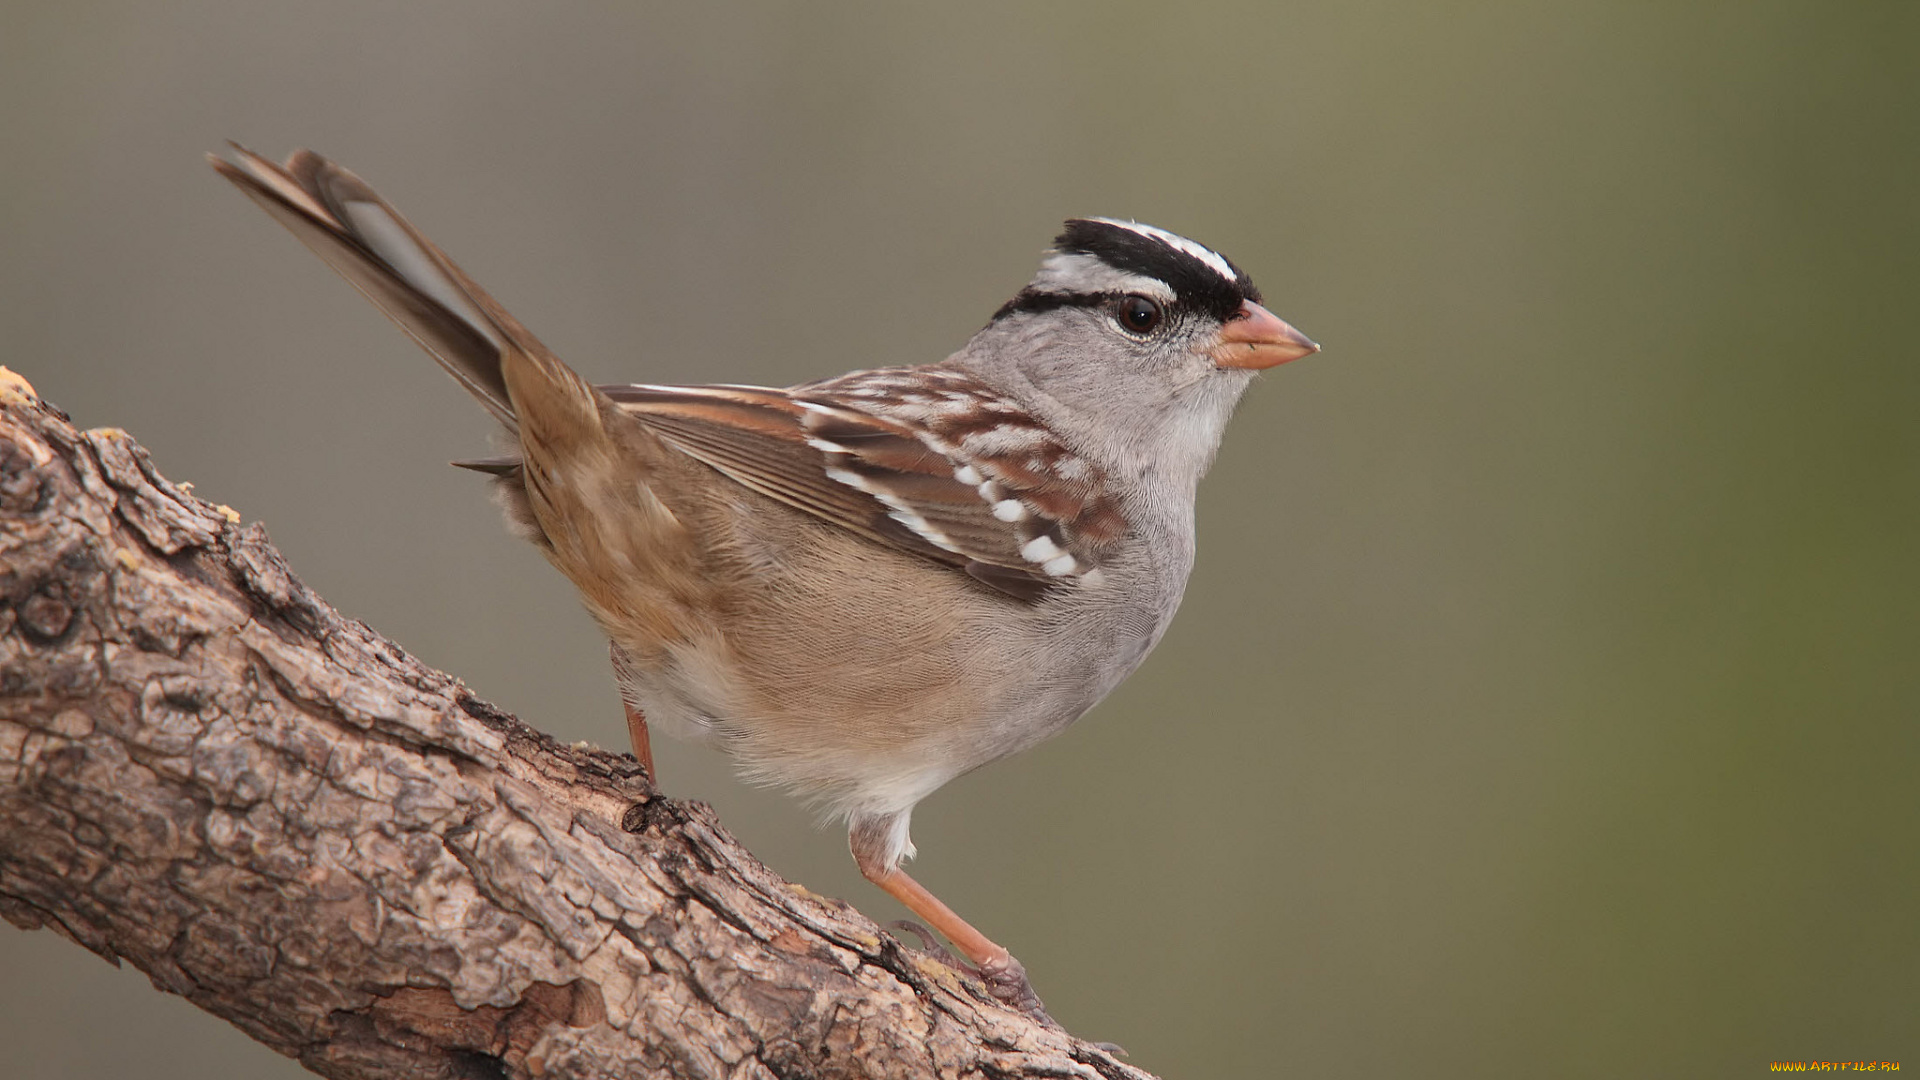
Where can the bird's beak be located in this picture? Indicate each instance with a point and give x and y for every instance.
(1257, 338)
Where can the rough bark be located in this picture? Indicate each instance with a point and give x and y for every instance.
(279, 815)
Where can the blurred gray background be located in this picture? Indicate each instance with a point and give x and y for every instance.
(1545, 699)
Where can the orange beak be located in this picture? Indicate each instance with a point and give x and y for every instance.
(1257, 338)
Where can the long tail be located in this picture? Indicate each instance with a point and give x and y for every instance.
(580, 487)
(406, 275)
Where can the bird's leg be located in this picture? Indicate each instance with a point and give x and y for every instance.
(642, 742)
(1006, 977)
(636, 720)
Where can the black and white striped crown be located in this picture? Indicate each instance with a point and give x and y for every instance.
(1096, 259)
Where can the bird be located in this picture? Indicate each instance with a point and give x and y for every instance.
(865, 586)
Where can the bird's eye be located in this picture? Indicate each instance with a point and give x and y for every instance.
(1138, 314)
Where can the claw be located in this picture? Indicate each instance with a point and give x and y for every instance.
(1006, 980)
(930, 945)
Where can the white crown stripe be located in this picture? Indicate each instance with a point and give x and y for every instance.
(1212, 258)
(1069, 273)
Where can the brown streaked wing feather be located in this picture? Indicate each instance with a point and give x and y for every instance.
(753, 436)
(887, 478)
(1065, 496)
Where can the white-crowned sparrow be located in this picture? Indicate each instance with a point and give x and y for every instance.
(863, 587)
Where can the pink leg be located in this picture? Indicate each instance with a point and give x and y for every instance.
(636, 720)
(1006, 977)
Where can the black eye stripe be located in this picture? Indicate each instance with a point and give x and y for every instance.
(1031, 300)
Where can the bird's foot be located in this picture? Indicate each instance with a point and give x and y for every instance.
(1005, 977)
(1006, 980)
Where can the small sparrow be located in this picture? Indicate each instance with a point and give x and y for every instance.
(861, 587)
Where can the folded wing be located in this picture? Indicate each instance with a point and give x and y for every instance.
(859, 454)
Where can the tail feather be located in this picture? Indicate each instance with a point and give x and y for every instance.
(406, 276)
(493, 466)
(581, 485)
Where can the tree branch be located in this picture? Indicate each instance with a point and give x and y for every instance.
(279, 815)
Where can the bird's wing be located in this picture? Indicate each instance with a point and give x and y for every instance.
(857, 453)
